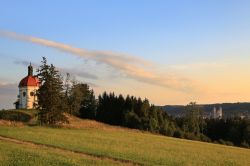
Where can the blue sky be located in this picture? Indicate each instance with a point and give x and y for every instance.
(189, 42)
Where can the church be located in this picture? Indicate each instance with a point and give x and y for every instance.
(27, 90)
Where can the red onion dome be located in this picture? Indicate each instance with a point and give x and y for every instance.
(29, 81)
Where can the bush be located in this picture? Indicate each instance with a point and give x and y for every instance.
(204, 138)
(132, 120)
(15, 116)
(178, 134)
(191, 136)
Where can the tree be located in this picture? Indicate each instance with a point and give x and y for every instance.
(246, 131)
(76, 96)
(132, 120)
(193, 120)
(82, 101)
(50, 94)
(88, 104)
(111, 109)
(66, 99)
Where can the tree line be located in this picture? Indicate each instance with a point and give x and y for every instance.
(58, 96)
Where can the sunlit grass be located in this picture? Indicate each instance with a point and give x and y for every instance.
(12, 154)
(133, 145)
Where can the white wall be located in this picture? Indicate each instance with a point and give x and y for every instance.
(27, 101)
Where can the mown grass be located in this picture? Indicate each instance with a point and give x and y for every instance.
(131, 145)
(12, 154)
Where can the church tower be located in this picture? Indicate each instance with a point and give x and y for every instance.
(27, 89)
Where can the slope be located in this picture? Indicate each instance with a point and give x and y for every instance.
(118, 143)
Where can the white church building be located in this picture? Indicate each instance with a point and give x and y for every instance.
(217, 113)
(27, 90)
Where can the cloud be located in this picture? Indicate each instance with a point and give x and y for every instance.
(21, 62)
(75, 72)
(131, 66)
(78, 73)
(100, 56)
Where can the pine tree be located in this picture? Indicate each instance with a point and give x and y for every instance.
(50, 94)
(193, 121)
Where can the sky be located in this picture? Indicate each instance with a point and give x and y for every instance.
(170, 52)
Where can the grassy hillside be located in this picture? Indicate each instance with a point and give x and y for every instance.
(12, 154)
(98, 139)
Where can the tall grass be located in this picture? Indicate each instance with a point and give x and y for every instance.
(12, 154)
(135, 146)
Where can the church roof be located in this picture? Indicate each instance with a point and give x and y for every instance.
(29, 81)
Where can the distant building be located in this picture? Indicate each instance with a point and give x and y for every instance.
(27, 90)
(217, 113)
(242, 116)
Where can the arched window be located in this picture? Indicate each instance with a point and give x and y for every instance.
(31, 93)
(24, 94)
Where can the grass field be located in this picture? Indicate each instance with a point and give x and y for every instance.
(144, 148)
(21, 155)
(106, 145)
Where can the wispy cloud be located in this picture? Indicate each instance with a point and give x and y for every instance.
(100, 56)
(71, 71)
(131, 66)
(21, 62)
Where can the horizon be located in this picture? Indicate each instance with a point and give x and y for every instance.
(168, 52)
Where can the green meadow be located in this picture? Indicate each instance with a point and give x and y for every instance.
(12, 154)
(112, 142)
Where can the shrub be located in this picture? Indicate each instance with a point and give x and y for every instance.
(204, 138)
(15, 116)
(191, 136)
(178, 134)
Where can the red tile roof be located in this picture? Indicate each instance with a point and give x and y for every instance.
(29, 81)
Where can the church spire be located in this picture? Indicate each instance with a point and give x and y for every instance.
(30, 70)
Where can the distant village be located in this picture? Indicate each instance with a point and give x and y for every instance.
(217, 113)
(214, 111)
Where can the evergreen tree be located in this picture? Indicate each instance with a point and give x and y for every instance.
(50, 94)
(88, 104)
(76, 96)
(193, 121)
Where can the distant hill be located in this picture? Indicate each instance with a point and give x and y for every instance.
(229, 109)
